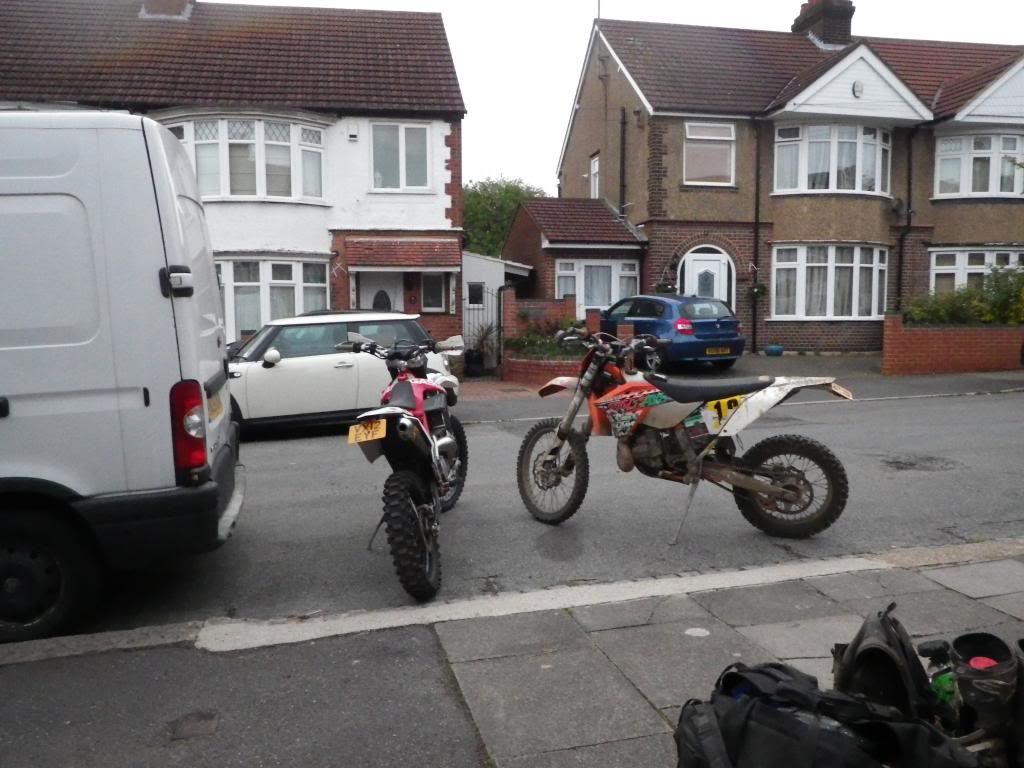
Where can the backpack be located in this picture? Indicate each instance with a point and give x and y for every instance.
(881, 665)
(775, 716)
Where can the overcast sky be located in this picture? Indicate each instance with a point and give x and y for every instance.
(519, 61)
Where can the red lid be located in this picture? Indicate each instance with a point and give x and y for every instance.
(982, 662)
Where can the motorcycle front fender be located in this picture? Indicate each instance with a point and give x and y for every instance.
(558, 384)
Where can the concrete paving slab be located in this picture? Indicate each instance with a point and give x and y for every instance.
(631, 613)
(671, 663)
(1010, 632)
(649, 752)
(804, 639)
(526, 705)
(516, 635)
(671, 714)
(678, 608)
(376, 700)
(788, 601)
(1012, 604)
(860, 586)
(928, 613)
(999, 577)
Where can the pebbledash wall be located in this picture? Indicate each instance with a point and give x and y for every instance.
(950, 349)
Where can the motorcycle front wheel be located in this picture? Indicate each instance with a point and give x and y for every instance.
(413, 533)
(455, 488)
(552, 484)
(806, 468)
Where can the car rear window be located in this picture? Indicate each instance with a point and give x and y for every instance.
(706, 310)
(387, 332)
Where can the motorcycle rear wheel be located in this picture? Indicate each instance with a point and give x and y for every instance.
(451, 498)
(552, 494)
(808, 468)
(412, 532)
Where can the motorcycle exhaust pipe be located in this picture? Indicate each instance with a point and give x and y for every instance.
(406, 429)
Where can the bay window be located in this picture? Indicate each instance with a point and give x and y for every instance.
(829, 282)
(832, 158)
(979, 166)
(255, 291)
(709, 154)
(597, 283)
(249, 158)
(400, 157)
(951, 270)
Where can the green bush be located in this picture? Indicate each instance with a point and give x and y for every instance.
(538, 340)
(998, 301)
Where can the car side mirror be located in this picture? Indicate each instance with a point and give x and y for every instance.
(271, 358)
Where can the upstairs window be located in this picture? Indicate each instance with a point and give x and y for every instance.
(595, 176)
(832, 158)
(400, 157)
(709, 154)
(263, 159)
(979, 166)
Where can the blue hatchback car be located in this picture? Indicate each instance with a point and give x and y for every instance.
(697, 329)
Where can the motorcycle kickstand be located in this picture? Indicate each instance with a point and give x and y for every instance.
(686, 510)
(369, 546)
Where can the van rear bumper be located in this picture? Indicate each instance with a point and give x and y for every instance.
(135, 529)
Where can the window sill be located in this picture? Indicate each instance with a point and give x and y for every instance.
(425, 311)
(877, 319)
(689, 185)
(1005, 197)
(402, 192)
(833, 193)
(275, 200)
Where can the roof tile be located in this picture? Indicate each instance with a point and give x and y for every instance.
(576, 220)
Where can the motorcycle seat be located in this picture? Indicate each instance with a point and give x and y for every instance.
(689, 391)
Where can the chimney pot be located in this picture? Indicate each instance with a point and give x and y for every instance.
(828, 20)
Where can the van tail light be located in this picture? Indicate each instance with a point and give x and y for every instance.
(188, 429)
(684, 326)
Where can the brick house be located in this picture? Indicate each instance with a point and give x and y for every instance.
(327, 142)
(840, 174)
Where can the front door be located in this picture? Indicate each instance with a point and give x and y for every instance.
(707, 275)
(381, 291)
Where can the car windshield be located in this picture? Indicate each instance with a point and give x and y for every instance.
(249, 348)
(706, 310)
(387, 332)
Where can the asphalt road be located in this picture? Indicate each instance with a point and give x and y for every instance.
(922, 471)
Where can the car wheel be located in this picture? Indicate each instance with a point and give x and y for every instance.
(655, 361)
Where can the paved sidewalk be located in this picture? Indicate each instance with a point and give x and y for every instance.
(592, 680)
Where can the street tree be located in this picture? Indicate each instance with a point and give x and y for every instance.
(490, 206)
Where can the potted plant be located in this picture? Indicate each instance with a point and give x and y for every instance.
(757, 290)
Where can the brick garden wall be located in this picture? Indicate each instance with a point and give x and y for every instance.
(536, 373)
(517, 314)
(950, 349)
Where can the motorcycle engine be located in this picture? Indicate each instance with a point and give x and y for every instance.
(654, 452)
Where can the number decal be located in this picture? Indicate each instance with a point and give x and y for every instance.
(715, 412)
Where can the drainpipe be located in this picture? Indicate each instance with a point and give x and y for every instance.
(757, 230)
(622, 163)
(909, 216)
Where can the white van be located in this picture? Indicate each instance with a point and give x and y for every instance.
(116, 441)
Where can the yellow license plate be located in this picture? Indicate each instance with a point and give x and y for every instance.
(715, 412)
(216, 407)
(717, 351)
(366, 431)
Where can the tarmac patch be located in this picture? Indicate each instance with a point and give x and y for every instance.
(202, 722)
(906, 462)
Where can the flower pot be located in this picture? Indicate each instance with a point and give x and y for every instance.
(773, 350)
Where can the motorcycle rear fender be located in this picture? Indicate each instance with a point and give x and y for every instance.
(558, 384)
(757, 404)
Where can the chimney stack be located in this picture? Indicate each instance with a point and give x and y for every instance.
(828, 20)
(166, 9)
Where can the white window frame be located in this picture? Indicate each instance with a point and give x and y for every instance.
(227, 276)
(962, 266)
(693, 137)
(966, 154)
(433, 309)
(882, 141)
(879, 280)
(595, 177)
(403, 186)
(296, 144)
(575, 268)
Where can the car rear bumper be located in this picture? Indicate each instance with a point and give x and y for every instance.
(701, 349)
(133, 529)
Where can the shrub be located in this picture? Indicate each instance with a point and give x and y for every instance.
(538, 339)
(999, 300)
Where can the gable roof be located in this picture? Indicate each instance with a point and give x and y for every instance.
(101, 53)
(579, 220)
(958, 94)
(684, 68)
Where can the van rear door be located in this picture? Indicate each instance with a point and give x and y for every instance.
(198, 313)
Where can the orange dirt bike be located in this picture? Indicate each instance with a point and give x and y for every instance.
(680, 430)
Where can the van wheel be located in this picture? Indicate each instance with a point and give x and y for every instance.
(49, 576)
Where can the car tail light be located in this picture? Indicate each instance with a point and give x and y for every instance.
(739, 329)
(188, 426)
(684, 326)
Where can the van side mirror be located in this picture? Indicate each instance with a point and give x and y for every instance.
(271, 358)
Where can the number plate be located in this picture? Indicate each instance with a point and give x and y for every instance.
(715, 412)
(216, 407)
(717, 351)
(366, 431)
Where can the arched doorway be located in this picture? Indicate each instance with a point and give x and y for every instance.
(708, 271)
